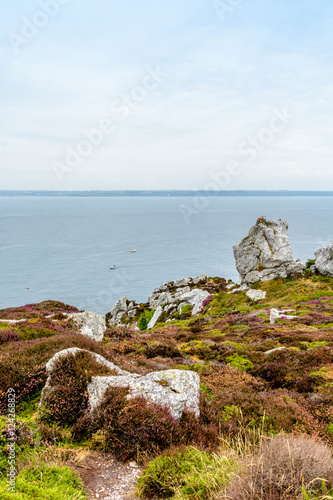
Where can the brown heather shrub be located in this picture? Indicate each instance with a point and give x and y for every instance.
(161, 350)
(9, 335)
(68, 400)
(22, 363)
(136, 428)
(283, 466)
(233, 399)
(36, 310)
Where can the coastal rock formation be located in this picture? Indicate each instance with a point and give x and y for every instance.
(174, 389)
(91, 325)
(324, 260)
(167, 300)
(122, 308)
(264, 254)
(173, 296)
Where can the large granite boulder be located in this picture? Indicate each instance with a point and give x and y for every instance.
(91, 325)
(174, 389)
(264, 254)
(324, 260)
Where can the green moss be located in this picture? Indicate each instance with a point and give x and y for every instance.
(236, 346)
(240, 362)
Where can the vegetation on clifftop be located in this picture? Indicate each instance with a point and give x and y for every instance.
(254, 375)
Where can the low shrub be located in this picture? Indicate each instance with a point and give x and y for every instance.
(9, 335)
(68, 398)
(161, 350)
(22, 363)
(136, 427)
(285, 467)
(144, 319)
(184, 473)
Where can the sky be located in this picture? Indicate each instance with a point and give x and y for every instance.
(176, 94)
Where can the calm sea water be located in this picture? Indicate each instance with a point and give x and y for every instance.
(62, 248)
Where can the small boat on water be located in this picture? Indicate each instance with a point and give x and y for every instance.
(132, 250)
(113, 267)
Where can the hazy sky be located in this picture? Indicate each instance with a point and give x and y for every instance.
(173, 94)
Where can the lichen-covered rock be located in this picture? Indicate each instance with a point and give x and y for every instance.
(264, 254)
(91, 325)
(174, 389)
(324, 260)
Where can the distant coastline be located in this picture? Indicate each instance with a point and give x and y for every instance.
(162, 193)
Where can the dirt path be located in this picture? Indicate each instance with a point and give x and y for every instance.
(106, 479)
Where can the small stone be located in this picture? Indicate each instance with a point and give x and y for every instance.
(256, 295)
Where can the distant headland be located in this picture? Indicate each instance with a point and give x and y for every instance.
(163, 193)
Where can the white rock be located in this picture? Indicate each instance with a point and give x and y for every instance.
(275, 350)
(91, 325)
(256, 294)
(178, 388)
(155, 318)
(324, 260)
(264, 254)
(275, 314)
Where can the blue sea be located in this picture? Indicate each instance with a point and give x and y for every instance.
(61, 248)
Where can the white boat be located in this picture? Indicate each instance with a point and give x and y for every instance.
(133, 250)
(113, 267)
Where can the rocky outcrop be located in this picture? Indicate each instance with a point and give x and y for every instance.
(173, 296)
(264, 254)
(123, 308)
(324, 260)
(174, 389)
(166, 300)
(91, 325)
